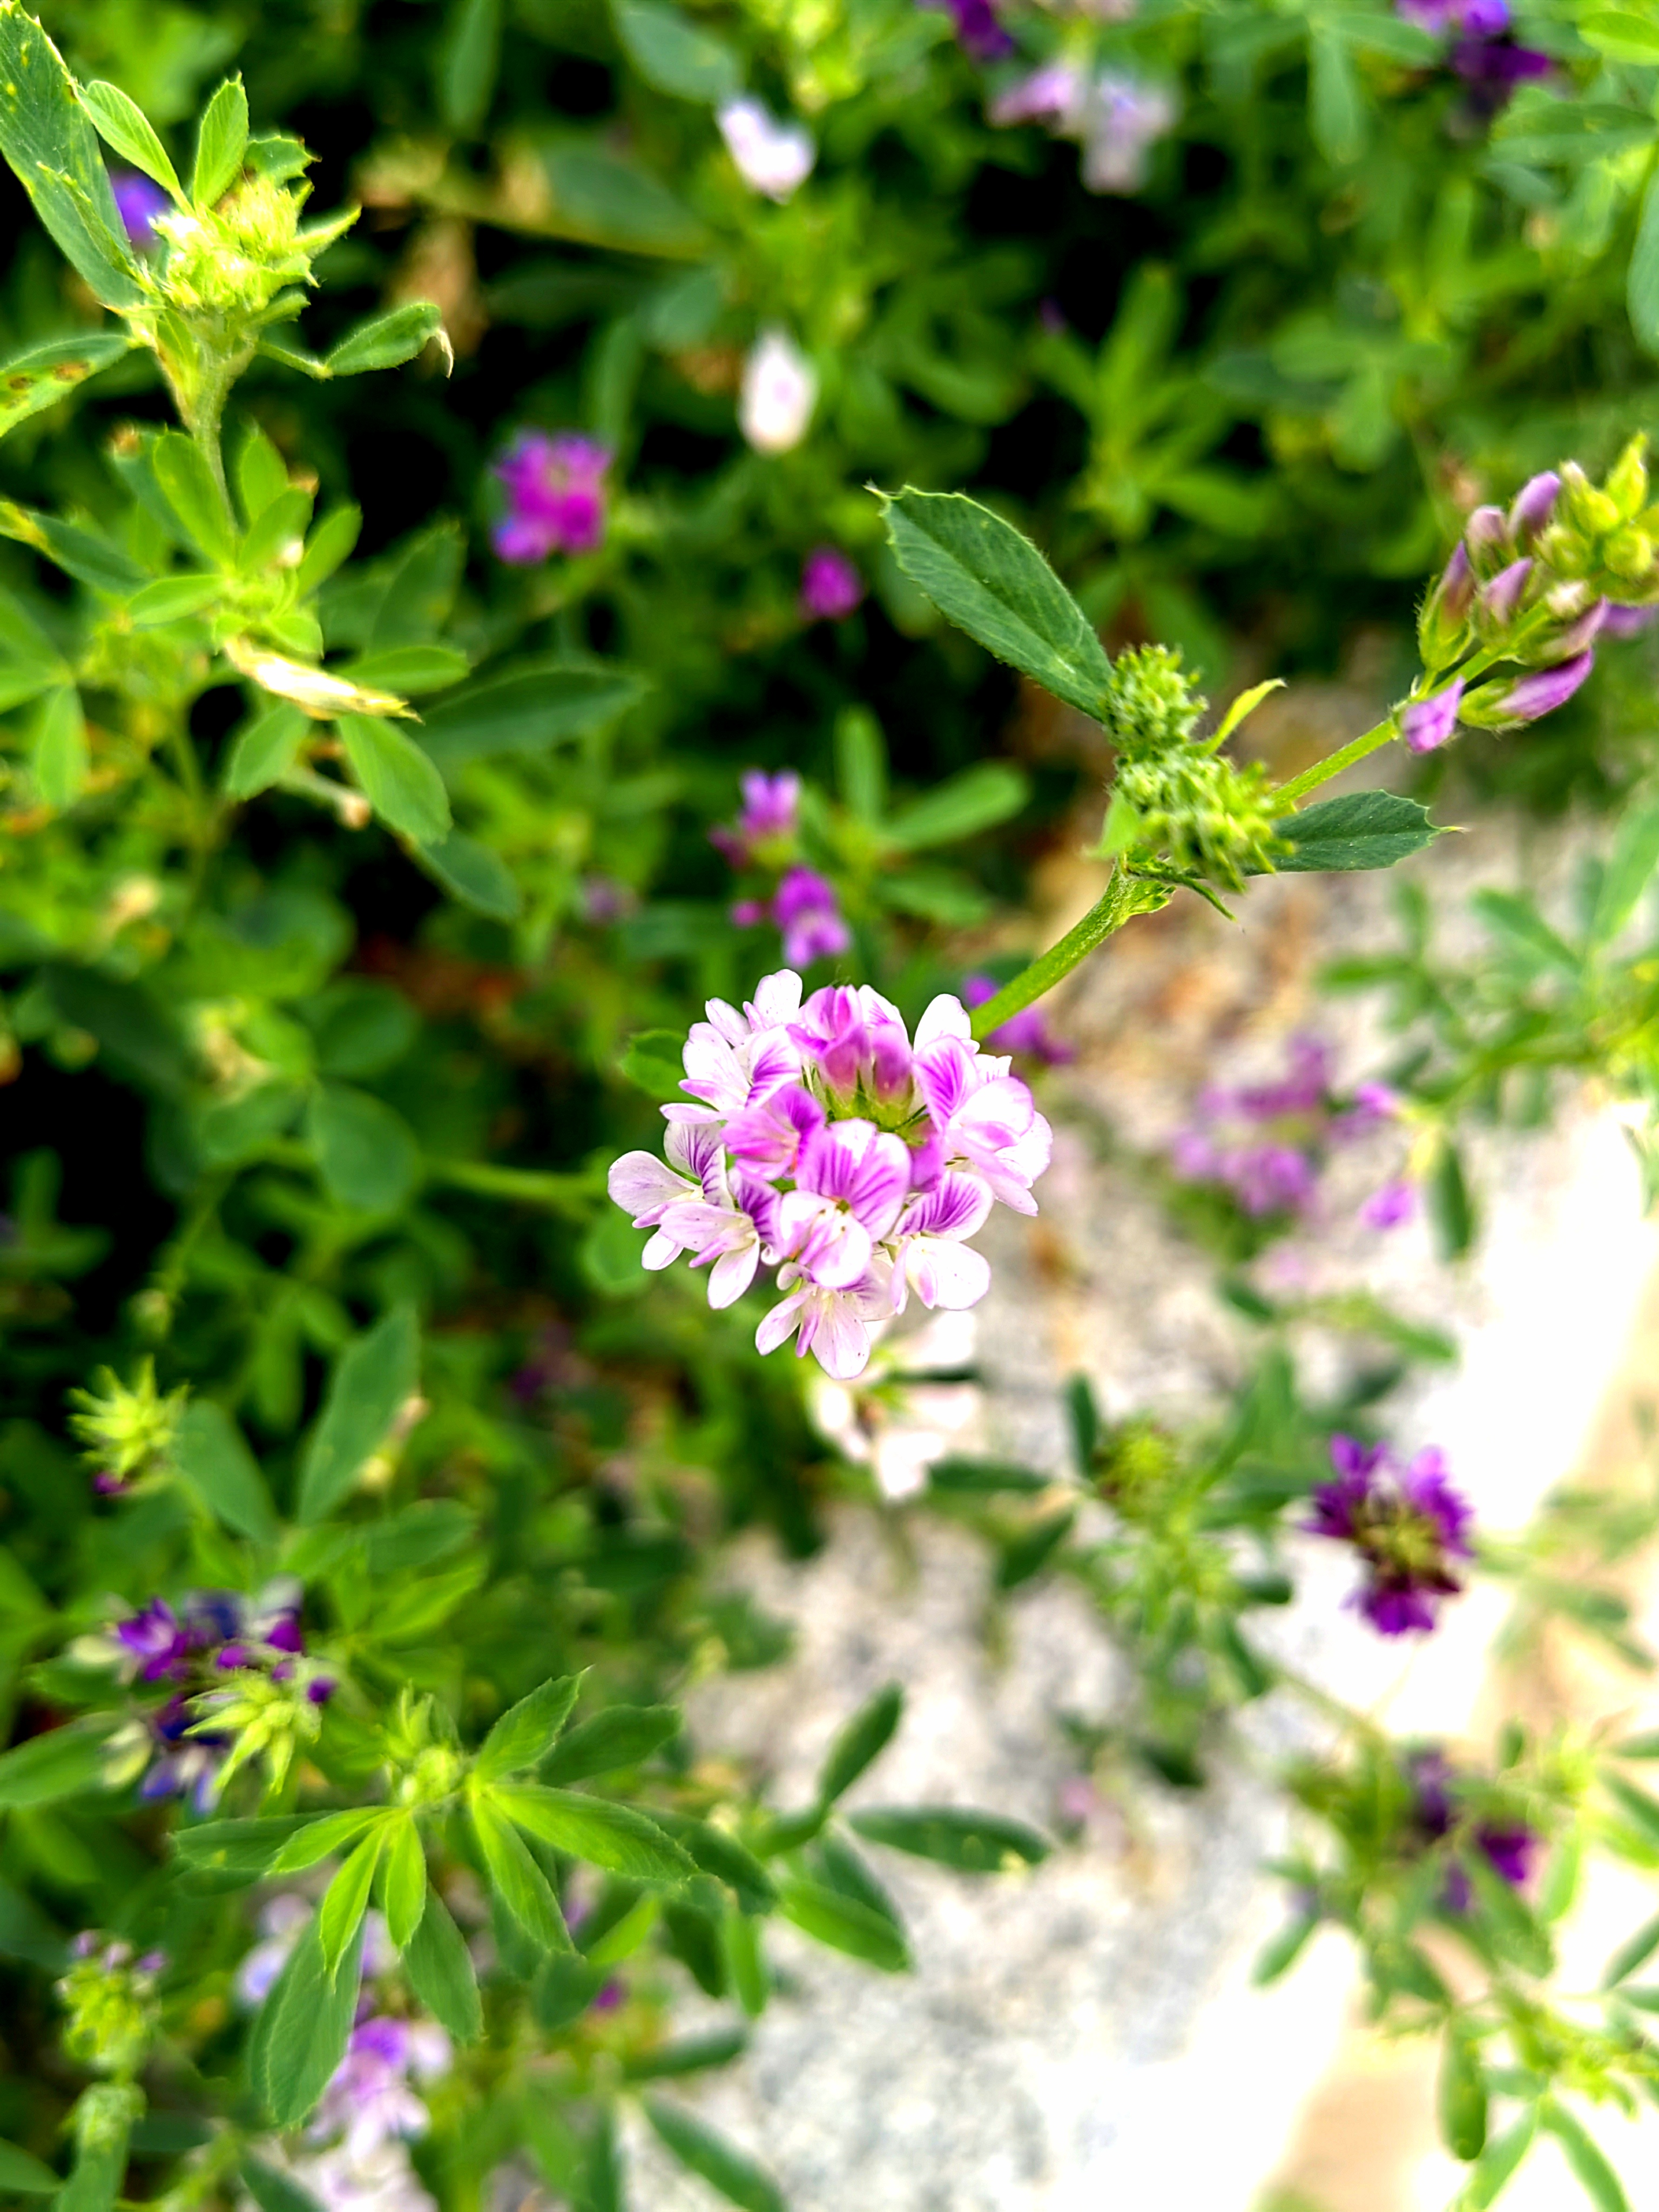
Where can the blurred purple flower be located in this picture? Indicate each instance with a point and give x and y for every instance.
(555, 496)
(806, 910)
(830, 586)
(139, 201)
(1626, 622)
(979, 34)
(1386, 1208)
(771, 805)
(1027, 1031)
(1406, 1523)
(1509, 1847)
(155, 1639)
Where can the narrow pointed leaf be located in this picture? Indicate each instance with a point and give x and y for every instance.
(319, 1839)
(220, 143)
(341, 1913)
(515, 1877)
(991, 580)
(716, 2162)
(40, 378)
(527, 1731)
(406, 1882)
(372, 1379)
(622, 1736)
(48, 140)
(121, 124)
(862, 1741)
(439, 1970)
(1363, 829)
(210, 1453)
(614, 1837)
(397, 778)
(303, 2027)
(973, 1843)
(385, 340)
(844, 1924)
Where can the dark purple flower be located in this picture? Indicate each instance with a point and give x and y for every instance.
(139, 201)
(608, 1996)
(1492, 67)
(1509, 1847)
(320, 1689)
(979, 34)
(555, 496)
(107, 1483)
(155, 1637)
(1027, 1031)
(830, 586)
(1428, 724)
(771, 805)
(1406, 1524)
(807, 911)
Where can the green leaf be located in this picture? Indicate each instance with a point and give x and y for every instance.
(614, 1837)
(22, 2174)
(974, 1842)
(410, 668)
(1595, 2176)
(992, 581)
(861, 1742)
(121, 124)
(373, 1379)
(186, 484)
(328, 544)
(713, 1851)
(524, 709)
(978, 1478)
(515, 1877)
(48, 140)
(273, 2190)
(265, 749)
(63, 1762)
(527, 1730)
(220, 143)
(621, 1735)
(397, 778)
(261, 473)
(366, 1152)
(439, 1970)
(976, 800)
(1451, 1208)
(652, 1061)
(39, 378)
(210, 1454)
(844, 1924)
(1462, 2095)
(691, 2054)
(59, 761)
(320, 1838)
(303, 2027)
(473, 874)
(1364, 829)
(406, 1882)
(1642, 278)
(276, 533)
(860, 762)
(1635, 1952)
(1628, 872)
(383, 341)
(1621, 35)
(241, 1851)
(86, 555)
(340, 1915)
(1279, 1955)
(602, 199)
(467, 62)
(676, 54)
(171, 599)
(1641, 1808)
(1498, 2164)
(1336, 106)
(713, 2160)
(1246, 704)
(745, 1962)
(563, 1988)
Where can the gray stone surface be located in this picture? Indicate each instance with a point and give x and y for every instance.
(1084, 2035)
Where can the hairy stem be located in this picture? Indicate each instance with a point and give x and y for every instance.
(1114, 908)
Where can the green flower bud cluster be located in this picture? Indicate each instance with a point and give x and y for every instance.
(127, 1431)
(111, 2002)
(1604, 537)
(266, 1720)
(424, 1755)
(1180, 810)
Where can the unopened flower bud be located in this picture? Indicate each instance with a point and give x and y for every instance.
(1625, 622)
(1562, 551)
(1626, 483)
(1426, 724)
(1566, 644)
(1533, 505)
(1445, 614)
(1629, 553)
(1584, 506)
(1566, 600)
(1527, 698)
(1487, 534)
(1500, 602)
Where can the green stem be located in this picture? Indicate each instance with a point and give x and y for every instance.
(1321, 771)
(560, 1193)
(1110, 913)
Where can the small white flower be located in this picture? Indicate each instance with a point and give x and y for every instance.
(780, 391)
(773, 158)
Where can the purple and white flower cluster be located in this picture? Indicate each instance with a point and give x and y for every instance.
(1268, 1143)
(1407, 1525)
(198, 1653)
(1117, 118)
(555, 494)
(802, 904)
(824, 1141)
(1484, 52)
(1508, 1844)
